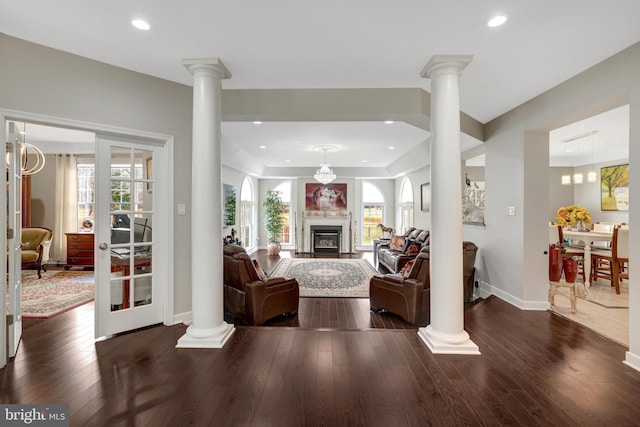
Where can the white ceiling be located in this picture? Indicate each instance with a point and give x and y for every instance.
(338, 44)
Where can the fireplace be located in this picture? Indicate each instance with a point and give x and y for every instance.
(326, 239)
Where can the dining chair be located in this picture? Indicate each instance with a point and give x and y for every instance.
(609, 265)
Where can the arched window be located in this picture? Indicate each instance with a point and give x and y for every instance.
(247, 208)
(372, 212)
(285, 194)
(406, 205)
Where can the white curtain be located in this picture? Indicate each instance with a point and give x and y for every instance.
(66, 210)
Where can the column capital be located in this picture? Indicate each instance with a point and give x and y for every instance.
(213, 64)
(438, 62)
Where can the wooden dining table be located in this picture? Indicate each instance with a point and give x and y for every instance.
(587, 237)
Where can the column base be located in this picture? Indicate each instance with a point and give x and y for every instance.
(440, 343)
(206, 338)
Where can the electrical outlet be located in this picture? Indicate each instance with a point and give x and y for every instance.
(182, 209)
(511, 210)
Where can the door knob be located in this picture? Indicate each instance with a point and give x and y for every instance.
(103, 246)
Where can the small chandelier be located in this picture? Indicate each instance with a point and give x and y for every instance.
(324, 175)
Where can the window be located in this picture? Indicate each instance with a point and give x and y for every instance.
(372, 213)
(406, 205)
(247, 207)
(285, 194)
(120, 194)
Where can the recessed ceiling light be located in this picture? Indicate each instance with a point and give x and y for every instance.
(257, 122)
(262, 147)
(141, 24)
(497, 20)
(287, 161)
(391, 147)
(364, 161)
(388, 122)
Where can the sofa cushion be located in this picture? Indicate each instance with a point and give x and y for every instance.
(261, 274)
(412, 247)
(397, 243)
(406, 270)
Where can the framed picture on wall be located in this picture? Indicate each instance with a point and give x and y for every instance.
(614, 188)
(425, 197)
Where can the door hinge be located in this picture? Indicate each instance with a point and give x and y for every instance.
(9, 233)
(9, 319)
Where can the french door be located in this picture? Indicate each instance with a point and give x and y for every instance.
(130, 283)
(14, 240)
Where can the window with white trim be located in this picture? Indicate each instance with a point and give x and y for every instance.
(285, 194)
(247, 208)
(372, 213)
(406, 205)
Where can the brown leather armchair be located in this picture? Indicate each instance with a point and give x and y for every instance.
(410, 297)
(250, 299)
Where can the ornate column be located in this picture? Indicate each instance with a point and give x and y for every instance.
(208, 328)
(446, 332)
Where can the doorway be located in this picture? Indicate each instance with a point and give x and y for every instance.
(77, 141)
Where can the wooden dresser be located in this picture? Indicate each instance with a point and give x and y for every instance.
(79, 250)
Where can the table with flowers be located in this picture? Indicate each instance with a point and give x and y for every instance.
(575, 220)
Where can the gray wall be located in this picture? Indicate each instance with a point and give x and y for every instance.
(49, 82)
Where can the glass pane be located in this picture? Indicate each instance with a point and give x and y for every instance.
(117, 292)
(142, 291)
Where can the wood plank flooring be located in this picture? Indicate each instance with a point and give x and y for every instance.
(536, 368)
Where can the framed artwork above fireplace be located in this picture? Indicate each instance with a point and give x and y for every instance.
(329, 197)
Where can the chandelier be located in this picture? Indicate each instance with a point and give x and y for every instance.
(325, 174)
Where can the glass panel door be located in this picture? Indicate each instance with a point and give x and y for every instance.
(129, 297)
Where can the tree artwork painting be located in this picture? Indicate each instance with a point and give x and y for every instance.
(614, 186)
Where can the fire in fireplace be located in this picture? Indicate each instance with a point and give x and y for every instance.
(326, 238)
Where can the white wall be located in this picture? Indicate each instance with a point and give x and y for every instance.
(512, 244)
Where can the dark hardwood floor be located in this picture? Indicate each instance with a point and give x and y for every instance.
(334, 369)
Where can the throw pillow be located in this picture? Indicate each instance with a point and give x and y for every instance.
(397, 243)
(406, 270)
(259, 270)
(412, 247)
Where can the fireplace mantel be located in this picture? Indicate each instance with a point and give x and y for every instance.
(342, 220)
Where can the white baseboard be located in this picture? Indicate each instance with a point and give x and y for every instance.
(486, 290)
(632, 360)
(185, 318)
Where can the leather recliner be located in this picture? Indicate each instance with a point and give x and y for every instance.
(253, 300)
(410, 297)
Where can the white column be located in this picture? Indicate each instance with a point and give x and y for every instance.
(208, 328)
(446, 332)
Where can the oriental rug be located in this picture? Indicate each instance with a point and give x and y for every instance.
(328, 277)
(56, 292)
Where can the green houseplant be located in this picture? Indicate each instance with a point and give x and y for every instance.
(274, 208)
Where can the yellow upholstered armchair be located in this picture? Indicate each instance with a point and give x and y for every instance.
(35, 248)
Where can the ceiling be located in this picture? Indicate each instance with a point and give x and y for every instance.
(337, 44)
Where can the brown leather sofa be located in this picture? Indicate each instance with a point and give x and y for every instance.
(250, 299)
(393, 258)
(410, 297)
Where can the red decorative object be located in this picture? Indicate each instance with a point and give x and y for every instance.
(555, 263)
(570, 267)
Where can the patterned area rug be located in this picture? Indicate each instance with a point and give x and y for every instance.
(328, 277)
(55, 293)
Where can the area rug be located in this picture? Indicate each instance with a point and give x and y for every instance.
(328, 277)
(601, 292)
(55, 293)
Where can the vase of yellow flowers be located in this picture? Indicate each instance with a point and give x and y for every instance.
(573, 216)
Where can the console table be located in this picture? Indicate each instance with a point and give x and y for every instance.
(79, 250)
(376, 243)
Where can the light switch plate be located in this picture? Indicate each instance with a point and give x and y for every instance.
(511, 210)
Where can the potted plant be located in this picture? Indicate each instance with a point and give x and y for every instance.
(274, 208)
